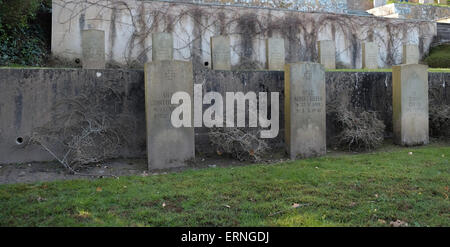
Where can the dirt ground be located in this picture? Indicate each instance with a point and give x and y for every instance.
(53, 171)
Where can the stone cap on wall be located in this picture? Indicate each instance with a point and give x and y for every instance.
(334, 6)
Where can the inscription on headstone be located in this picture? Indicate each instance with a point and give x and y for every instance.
(410, 104)
(220, 53)
(167, 146)
(410, 54)
(93, 49)
(162, 46)
(327, 54)
(275, 53)
(370, 55)
(305, 124)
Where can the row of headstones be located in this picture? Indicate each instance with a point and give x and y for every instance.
(305, 110)
(162, 49)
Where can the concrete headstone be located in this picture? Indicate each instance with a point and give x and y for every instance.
(410, 104)
(410, 54)
(305, 114)
(93, 49)
(370, 55)
(327, 54)
(220, 53)
(162, 46)
(167, 146)
(275, 53)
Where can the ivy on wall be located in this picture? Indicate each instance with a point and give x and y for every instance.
(25, 29)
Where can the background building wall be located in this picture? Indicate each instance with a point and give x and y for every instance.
(410, 11)
(128, 26)
(360, 4)
(335, 6)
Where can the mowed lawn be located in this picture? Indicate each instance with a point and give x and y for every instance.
(346, 190)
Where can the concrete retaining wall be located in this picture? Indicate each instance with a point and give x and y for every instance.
(27, 98)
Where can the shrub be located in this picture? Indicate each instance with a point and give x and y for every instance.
(85, 129)
(358, 129)
(439, 57)
(241, 144)
(361, 130)
(24, 32)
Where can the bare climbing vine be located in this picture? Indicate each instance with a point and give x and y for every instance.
(193, 25)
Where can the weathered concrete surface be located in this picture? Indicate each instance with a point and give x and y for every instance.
(93, 43)
(426, 1)
(28, 95)
(239, 81)
(129, 25)
(327, 54)
(162, 48)
(168, 146)
(220, 53)
(360, 4)
(379, 3)
(334, 6)
(410, 11)
(410, 54)
(370, 55)
(410, 104)
(305, 110)
(275, 54)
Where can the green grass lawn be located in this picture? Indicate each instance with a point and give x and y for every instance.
(337, 190)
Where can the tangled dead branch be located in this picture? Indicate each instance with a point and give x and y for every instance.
(85, 129)
(358, 129)
(361, 130)
(241, 144)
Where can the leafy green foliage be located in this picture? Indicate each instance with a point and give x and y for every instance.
(24, 32)
(439, 57)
